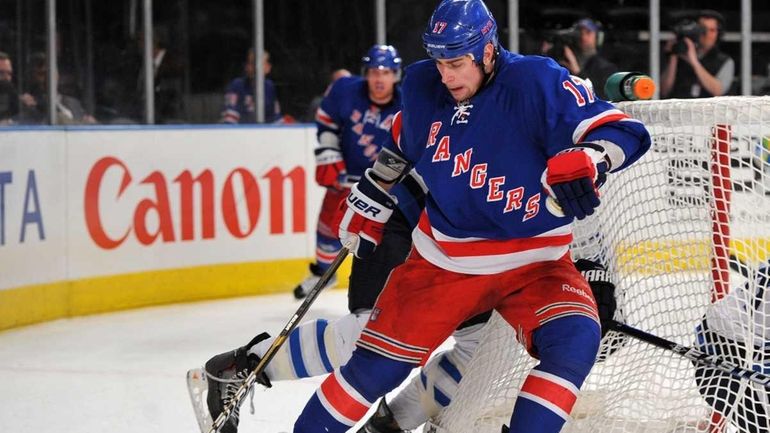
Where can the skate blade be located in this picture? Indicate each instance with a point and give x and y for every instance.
(197, 387)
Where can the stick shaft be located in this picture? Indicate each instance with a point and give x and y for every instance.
(692, 354)
(248, 383)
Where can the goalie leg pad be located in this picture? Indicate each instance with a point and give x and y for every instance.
(315, 347)
(345, 396)
(413, 405)
(567, 348)
(342, 335)
(436, 385)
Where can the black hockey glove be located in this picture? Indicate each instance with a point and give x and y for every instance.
(600, 280)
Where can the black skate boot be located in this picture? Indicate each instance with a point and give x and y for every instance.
(303, 288)
(226, 372)
(382, 421)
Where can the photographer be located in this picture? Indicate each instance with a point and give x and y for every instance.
(577, 50)
(697, 68)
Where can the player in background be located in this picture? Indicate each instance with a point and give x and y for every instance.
(743, 314)
(493, 134)
(353, 121)
(240, 106)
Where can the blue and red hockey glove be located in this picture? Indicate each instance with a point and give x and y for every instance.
(364, 214)
(329, 167)
(573, 178)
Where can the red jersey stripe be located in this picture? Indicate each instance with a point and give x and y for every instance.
(391, 348)
(492, 247)
(553, 392)
(345, 404)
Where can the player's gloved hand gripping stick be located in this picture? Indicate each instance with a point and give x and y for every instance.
(363, 215)
(248, 383)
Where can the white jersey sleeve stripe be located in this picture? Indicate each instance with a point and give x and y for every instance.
(545, 403)
(591, 123)
(323, 118)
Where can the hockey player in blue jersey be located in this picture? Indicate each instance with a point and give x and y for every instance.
(353, 121)
(493, 134)
(431, 392)
(316, 347)
(240, 106)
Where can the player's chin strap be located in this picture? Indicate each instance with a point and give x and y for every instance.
(488, 75)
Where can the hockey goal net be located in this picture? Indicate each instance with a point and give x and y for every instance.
(667, 229)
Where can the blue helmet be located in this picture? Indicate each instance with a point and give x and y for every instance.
(459, 27)
(382, 57)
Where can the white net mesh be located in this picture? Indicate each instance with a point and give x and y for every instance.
(665, 229)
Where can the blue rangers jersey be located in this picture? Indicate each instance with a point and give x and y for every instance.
(362, 126)
(240, 106)
(482, 160)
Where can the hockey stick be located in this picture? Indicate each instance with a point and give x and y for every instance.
(248, 383)
(692, 354)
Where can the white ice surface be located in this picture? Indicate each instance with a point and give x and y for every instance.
(125, 372)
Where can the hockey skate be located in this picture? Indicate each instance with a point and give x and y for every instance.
(382, 421)
(197, 388)
(303, 288)
(219, 380)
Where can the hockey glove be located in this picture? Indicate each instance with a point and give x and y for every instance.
(600, 280)
(364, 214)
(573, 177)
(329, 167)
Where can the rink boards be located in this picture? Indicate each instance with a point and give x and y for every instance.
(101, 219)
(96, 220)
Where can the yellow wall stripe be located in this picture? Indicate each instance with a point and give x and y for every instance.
(662, 256)
(42, 302)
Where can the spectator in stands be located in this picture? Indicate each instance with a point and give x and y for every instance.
(6, 67)
(580, 54)
(696, 67)
(167, 75)
(316, 102)
(239, 96)
(34, 105)
(9, 98)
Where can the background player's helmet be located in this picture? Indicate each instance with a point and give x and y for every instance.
(459, 27)
(382, 57)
